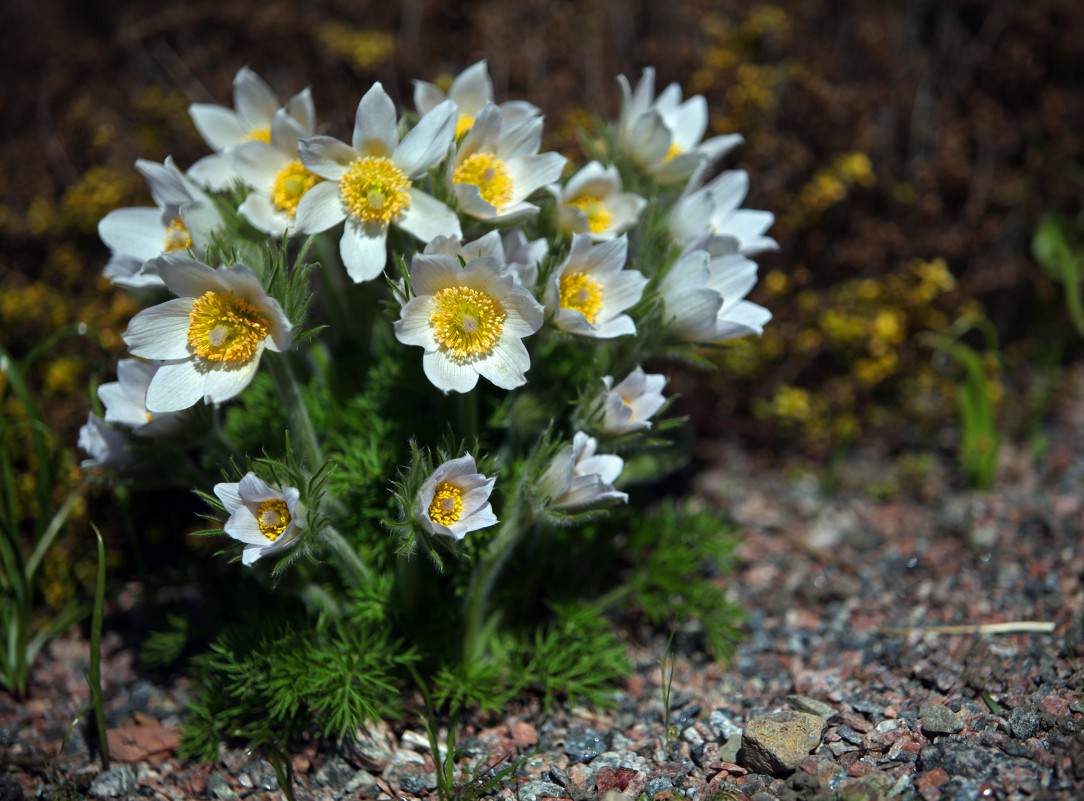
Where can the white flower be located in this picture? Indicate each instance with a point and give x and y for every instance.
(371, 183)
(210, 337)
(455, 499)
(471, 90)
(591, 289)
(125, 400)
(523, 257)
(183, 218)
(264, 519)
(704, 292)
(274, 171)
(255, 105)
(663, 135)
(713, 209)
(630, 405)
(108, 447)
(498, 166)
(487, 246)
(592, 203)
(578, 476)
(470, 321)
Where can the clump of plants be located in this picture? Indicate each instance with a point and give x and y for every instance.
(414, 376)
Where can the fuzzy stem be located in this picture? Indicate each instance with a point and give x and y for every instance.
(296, 411)
(484, 577)
(350, 563)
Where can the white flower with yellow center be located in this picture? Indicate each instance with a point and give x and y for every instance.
(471, 90)
(704, 292)
(592, 203)
(470, 321)
(183, 218)
(662, 135)
(210, 338)
(591, 290)
(125, 400)
(250, 120)
(714, 209)
(455, 499)
(370, 184)
(274, 171)
(631, 404)
(264, 519)
(498, 166)
(578, 477)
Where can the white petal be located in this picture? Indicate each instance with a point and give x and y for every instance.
(258, 209)
(254, 99)
(413, 327)
(326, 156)
(186, 277)
(258, 163)
(363, 248)
(532, 172)
(427, 143)
(522, 138)
(447, 375)
(319, 209)
(220, 383)
(301, 108)
(213, 172)
(160, 332)
(433, 272)
(472, 89)
(135, 232)
(254, 488)
(427, 96)
(218, 126)
(375, 131)
(177, 385)
(507, 365)
(427, 218)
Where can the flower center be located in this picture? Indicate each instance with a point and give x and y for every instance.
(490, 175)
(598, 219)
(466, 322)
(582, 293)
(273, 517)
(225, 328)
(447, 504)
(674, 151)
(177, 237)
(375, 190)
(290, 184)
(463, 124)
(261, 133)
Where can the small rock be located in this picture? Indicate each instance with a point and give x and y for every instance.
(111, 784)
(364, 784)
(848, 734)
(722, 726)
(335, 773)
(938, 719)
(777, 742)
(218, 786)
(803, 703)
(534, 791)
(583, 745)
(728, 751)
(1024, 721)
(524, 734)
(10, 790)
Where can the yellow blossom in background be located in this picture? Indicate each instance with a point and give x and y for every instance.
(362, 49)
(100, 190)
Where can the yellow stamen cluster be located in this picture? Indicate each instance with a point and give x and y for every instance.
(490, 175)
(598, 219)
(292, 181)
(273, 517)
(466, 322)
(374, 190)
(225, 328)
(177, 237)
(261, 133)
(582, 293)
(447, 504)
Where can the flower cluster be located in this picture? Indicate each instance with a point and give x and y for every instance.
(499, 264)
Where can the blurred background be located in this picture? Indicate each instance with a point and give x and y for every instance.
(911, 152)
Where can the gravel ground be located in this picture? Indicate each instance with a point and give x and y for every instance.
(862, 675)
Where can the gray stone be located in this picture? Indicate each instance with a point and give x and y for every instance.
(722, 726)
(938, 719)
(848, 734)
(778, 742)
(1025, 721)
(533, 791)
(335, 773)
(413, 780)
(583, 745)
(10, 790)
(728, 751)
(803, 703)
(114, 783)
(958, 758)
(218, 786)
(364, 784)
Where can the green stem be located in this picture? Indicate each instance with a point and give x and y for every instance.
(467, 404)
(484, 577)
(351, 565)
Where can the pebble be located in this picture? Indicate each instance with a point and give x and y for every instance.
(722, 726)
(804, 703)
(937, 719)
(534, 791)
(1024, 721)
(583, 745)
(114, 783)
(778, 742)
(218, 786)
